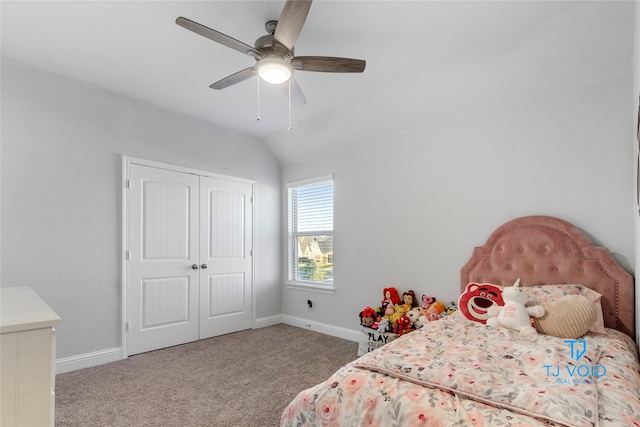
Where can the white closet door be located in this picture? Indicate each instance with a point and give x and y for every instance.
(163, 268)
(226, 244)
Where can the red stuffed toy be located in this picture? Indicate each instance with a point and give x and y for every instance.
(476, 300)
(403, 325)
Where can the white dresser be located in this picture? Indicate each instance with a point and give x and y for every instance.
(27, 359)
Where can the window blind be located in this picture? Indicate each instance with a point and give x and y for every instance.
(310, 224)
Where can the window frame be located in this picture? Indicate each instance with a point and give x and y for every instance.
(292, 236)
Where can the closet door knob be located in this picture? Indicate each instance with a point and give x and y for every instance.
(203, 266)
(194, 266)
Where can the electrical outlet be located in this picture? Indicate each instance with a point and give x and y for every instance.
(309, 304)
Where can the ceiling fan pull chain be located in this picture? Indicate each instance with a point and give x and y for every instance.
(289, 105)
(259, 99)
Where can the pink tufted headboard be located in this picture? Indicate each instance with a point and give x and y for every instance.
(543, 250)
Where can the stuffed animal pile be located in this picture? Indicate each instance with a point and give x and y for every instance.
(402, 315)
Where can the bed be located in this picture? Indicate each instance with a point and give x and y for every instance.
(458, 372)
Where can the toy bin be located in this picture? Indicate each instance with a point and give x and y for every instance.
(371, 339)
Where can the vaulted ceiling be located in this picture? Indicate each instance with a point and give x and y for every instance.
(136, 49)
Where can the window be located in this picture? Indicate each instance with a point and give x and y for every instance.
(310, 237)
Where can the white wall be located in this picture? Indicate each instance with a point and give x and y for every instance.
(410, 206)
(62, 143)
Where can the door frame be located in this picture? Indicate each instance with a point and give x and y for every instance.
(123, 256)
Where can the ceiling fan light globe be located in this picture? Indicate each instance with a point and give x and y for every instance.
(274, 70)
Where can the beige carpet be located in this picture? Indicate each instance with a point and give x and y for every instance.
(241, 379)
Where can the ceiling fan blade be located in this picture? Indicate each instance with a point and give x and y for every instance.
(291, 22)
(328, 64)
(217, 36)
(234, 78)
(297, 96)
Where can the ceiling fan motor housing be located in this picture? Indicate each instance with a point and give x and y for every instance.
(267, 47)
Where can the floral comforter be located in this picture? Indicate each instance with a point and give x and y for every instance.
(454, 372)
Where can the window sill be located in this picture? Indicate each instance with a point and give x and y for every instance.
(311, 287)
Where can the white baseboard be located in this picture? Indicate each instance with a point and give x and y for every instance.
(268, 321)
(87, 360)
(336, 331)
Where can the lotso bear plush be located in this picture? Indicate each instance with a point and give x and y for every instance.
(514, 315)
(476, 300)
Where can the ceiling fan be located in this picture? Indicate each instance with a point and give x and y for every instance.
(274, 52)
